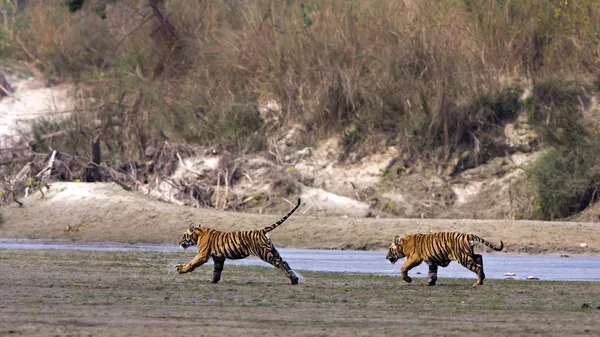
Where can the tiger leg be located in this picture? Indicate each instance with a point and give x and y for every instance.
(409, 264)
(432, 276)
(196, 262)
(470, 262)
(479, 260)
(219, 262)
(271, 256)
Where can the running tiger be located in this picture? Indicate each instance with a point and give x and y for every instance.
(233, 245)
(438, 249)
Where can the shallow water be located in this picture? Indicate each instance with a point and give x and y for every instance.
(575, 268)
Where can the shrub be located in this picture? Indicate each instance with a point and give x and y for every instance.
(567, 180)
(567, 176)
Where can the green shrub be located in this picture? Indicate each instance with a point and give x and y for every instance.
(567, 180)
(567, 176)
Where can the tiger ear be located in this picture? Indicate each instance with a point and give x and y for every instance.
(192, 227)
(397, 239)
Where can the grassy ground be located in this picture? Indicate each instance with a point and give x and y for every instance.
(119, 294)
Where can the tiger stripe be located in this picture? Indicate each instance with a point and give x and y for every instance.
(233, 245)
(439, 249)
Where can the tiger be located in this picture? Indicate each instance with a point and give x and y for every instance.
(233, 245)
(438, 249)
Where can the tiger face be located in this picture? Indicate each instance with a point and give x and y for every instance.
(189, 237)
(395, 251)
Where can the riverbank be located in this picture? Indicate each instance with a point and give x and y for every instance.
(106, 212)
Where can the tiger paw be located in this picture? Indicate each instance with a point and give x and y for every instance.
(181, 269)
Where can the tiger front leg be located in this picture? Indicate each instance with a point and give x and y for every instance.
(196, 262)
(219, 262)
(409, 264)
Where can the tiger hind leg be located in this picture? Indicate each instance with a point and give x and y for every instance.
(432, 275)
(271, 256)
(475, 264)
(479, 261)
(218, 268)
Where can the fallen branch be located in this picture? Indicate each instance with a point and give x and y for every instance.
(46, 171)
(187, 168)
(289, 202)
(5, 90)
(35, 60)
(122, 184)
(44, 138)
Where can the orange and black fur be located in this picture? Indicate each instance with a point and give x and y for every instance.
(233, 245)
(438, 249)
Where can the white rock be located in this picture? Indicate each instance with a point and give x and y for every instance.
(583, 245)
(509, 274)
(530, 277)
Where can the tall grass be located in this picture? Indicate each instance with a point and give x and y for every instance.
(421, 74)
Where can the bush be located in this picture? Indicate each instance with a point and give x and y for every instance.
(567, 180)
(567, 176)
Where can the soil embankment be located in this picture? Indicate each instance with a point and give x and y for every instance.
(106, 212)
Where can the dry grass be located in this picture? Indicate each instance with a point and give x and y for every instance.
(122, 294)
(410, 70)
(436, 78)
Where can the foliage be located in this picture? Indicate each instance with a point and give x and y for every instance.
(567, 176)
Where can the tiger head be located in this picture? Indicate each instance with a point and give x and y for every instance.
(395, 251)
(189, 237)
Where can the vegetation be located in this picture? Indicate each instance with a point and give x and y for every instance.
(438, 78)
(567, 175)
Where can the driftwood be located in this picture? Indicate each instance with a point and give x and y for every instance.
(5, 87)
(155, 176)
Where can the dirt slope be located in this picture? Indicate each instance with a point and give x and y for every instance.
(31, 100)
(96, 212)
